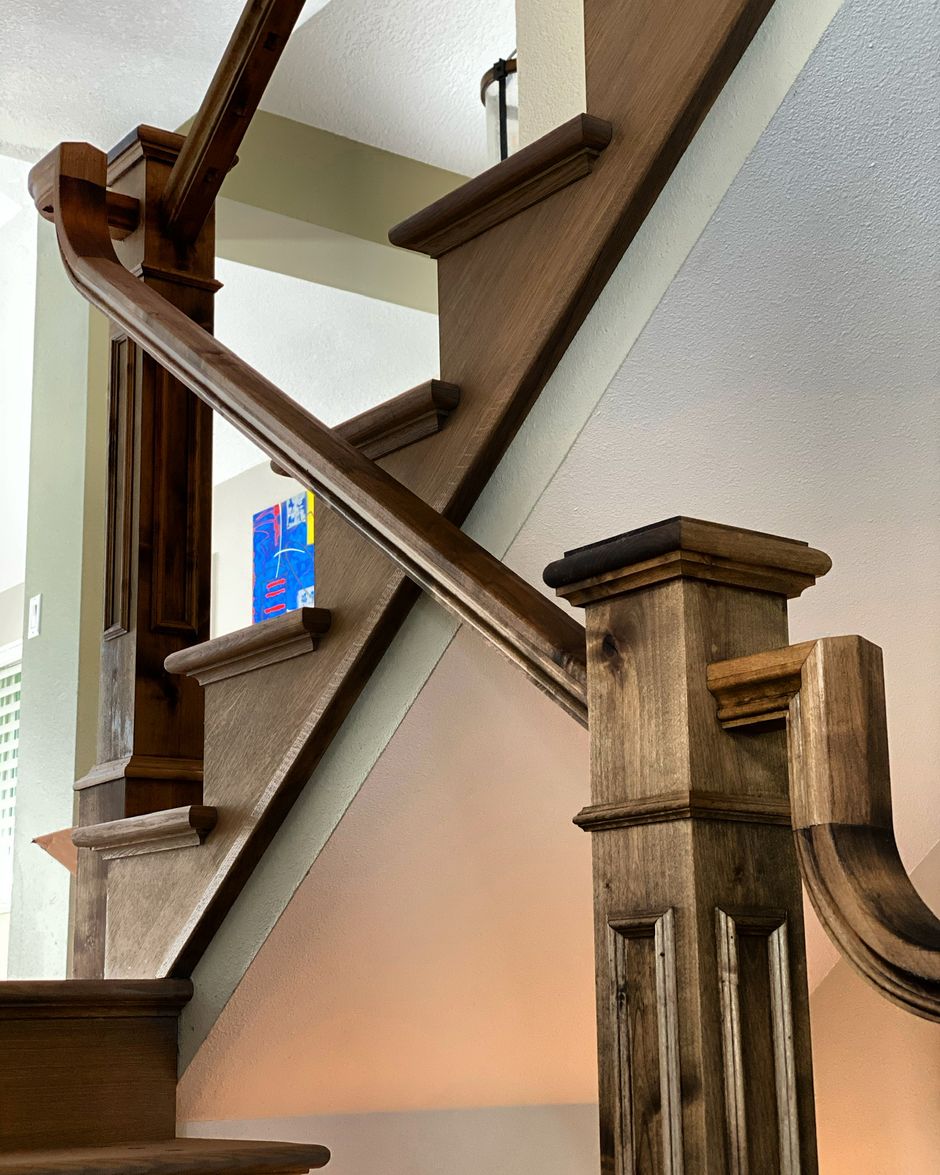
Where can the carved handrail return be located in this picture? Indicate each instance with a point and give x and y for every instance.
(831, 692)
(449, 565)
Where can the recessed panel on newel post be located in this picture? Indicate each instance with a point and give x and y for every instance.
(702, 1002)
(157, 575)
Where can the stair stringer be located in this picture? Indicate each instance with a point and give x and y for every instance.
(740, 115)
(503, 330)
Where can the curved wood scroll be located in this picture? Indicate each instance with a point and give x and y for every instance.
(840, 793)
(456, 571)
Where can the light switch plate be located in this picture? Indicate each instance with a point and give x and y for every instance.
(35, 613)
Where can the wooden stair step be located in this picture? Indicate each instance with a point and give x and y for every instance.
(289, 635)
(87, 1062)
(151, 832)
(534, 173)
(409, 417)
(180, 1156)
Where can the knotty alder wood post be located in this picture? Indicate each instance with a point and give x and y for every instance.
(157, 576)
(702, 1003)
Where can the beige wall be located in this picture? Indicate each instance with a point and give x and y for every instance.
(877, 1072)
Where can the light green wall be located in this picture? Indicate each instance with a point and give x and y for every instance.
(318, 206)
(11, 614)
(63, 560)
(328, 180)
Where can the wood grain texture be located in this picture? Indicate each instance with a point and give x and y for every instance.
(153, 832)
(418, 413)
(687, 819)
(150, 730)
(266, 643)
(123, 210)
(88, 1063)
(180, 1156)
(756, 690)
(532, 174)
(840, 785)
(220, 124)
(653, 71)
(687, 548)
(449, 565)
(78, 998)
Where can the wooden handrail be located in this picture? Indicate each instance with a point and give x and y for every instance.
(450, 566)
(840, 796)
(226, 111)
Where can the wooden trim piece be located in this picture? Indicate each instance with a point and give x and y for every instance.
(625, 933)
(756, 690)
(220, 124)
(80, 998)
(531, 175)
(266, 643)
(840, 795)
(167, 768)
(418, 413)
(466, 579)
(691, 549)
(154, 832)
(180, 1156)
(687, 805)
(771, 926)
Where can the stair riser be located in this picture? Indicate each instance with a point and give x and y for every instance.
(87, 1080)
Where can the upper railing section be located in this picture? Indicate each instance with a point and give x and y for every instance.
(450, 566)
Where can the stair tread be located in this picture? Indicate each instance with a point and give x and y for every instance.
(180, 1156)
(93, 997)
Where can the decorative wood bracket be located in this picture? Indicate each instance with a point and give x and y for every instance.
(832, 692)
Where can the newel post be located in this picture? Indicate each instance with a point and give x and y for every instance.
(159, 504)
(702, 1002)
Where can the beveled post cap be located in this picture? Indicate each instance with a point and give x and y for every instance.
(686, 548)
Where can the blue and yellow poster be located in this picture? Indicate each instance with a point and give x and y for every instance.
(283, 572)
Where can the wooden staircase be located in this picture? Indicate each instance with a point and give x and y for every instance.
(206, 744)
(88, 1085)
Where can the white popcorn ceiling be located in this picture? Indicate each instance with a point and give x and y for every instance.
(399, 74)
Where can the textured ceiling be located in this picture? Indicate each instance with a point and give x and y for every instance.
(402, 74)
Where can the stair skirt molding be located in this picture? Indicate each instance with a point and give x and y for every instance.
(739, 116)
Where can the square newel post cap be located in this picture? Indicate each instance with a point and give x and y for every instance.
(686, 548)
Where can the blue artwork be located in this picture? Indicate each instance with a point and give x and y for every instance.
(283, 576)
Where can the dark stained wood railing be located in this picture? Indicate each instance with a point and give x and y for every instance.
(832, 693)
(460, 574)
(223, 118)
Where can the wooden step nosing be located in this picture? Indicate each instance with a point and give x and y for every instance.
(407, 418)
(279, 639)
(179, 1156)
(531, 175)
(92, 998)
(153, 832)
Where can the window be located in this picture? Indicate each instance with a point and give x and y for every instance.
(10, 677)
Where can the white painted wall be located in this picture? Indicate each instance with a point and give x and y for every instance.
(17, 298)
(337, 353)
(787, 380)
